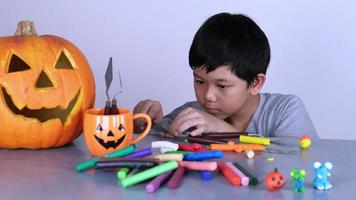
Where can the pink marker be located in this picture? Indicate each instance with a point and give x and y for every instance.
(176, 178)
(157, 182)
(244, 179)
(200, 166)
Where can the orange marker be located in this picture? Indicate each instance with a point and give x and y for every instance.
(230, 146)
(229, 174)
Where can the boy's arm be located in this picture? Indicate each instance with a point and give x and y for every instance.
(294, 120)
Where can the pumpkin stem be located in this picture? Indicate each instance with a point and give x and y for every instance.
(25, 27)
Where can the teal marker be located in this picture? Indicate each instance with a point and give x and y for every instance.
(178, 152)
(149, 173)
(116, 154)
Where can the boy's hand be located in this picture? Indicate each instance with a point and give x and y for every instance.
(203, 122)
(151, 108)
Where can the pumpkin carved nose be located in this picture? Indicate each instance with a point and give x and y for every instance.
(43, 81)
(110, 134)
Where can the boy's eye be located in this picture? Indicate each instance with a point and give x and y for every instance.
(223, 86)
(199, 81)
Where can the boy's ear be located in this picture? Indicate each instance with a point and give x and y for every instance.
(257, 84)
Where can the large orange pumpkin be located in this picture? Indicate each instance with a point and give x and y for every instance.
(46, 84)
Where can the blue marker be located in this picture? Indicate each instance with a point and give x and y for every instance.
(204, 155)
(206, 175)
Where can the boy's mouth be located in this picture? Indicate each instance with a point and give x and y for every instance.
(212, 110)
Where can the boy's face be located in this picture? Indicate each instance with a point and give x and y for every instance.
(220, 92)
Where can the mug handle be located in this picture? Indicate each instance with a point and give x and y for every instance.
(147, 129)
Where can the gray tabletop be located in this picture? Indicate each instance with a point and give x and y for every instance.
(50, 174)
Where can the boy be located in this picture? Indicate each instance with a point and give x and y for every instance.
(229, 56)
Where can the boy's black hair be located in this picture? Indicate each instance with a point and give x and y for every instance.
(234, 40)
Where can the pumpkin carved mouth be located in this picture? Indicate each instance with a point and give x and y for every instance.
(43, 114)
(110, 144)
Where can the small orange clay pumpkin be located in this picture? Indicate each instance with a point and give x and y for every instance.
(275, 180)
(46, 84)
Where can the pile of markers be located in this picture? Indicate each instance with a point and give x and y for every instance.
(168, 166)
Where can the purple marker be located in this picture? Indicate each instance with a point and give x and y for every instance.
(140, 154)
(157, 182)
(176, 178)
(244, 179)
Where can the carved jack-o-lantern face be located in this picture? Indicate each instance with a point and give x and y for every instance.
(106, 133)
(110, 132)
(274, 180)
(46, 84)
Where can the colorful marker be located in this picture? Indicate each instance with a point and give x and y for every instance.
(116, 154)
(192, 147)
(204, 155)
(164, 146)
(168, 157)
(122, 173)
(176, 178)
(230, 146)
(229, 174)
(244, 179)
(130, 163)
(178, 152)
(140, 154)
(205, 140)
(206, 175)
(149, 173)
(255, 140)
(157, 182)
(253, 179)
(200, 166)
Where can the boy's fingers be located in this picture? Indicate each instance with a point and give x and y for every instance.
(156, 113)
(198, 131)
(182, 123)
(143, 106)
(187, 124)
(166, 135)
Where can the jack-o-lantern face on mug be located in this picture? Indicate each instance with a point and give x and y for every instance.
(46, 84)
(106, 133)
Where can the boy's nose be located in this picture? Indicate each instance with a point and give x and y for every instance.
(210, 94)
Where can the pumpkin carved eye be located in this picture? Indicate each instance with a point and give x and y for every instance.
(99, 128)
(63, 62)
(17, 64)
(121, 127)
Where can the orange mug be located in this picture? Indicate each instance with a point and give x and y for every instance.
(104, 134)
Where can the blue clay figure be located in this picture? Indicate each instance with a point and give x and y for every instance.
(298, 178)
(322, 172)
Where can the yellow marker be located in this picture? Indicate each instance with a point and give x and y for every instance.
(168, 157)
(255, 140)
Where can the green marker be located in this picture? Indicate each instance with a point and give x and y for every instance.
(116, 154)
(253, 179)
(178, 152)
(149, 173)
(122, 173)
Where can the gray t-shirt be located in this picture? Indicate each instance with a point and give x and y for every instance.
(276, 115)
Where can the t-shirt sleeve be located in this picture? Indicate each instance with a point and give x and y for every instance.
(294, 119)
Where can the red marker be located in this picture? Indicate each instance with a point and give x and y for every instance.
(176, 178)
(192, 147)
(229, 174)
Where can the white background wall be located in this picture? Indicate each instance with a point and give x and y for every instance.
(313, 47)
